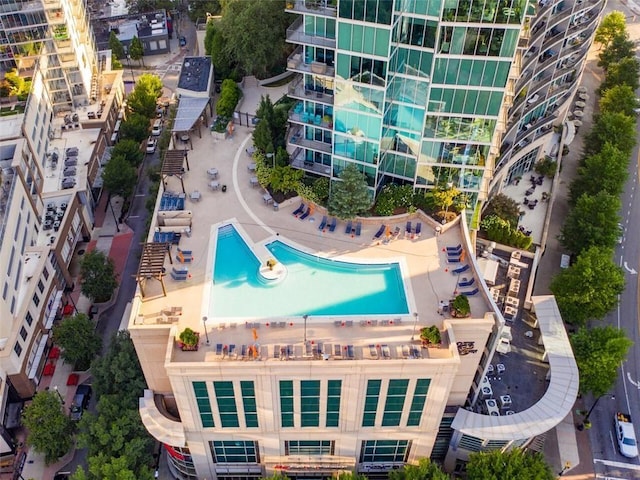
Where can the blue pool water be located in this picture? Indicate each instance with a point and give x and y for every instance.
(313, 285)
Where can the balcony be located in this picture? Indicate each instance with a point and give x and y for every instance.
(299, 161)
(296, 34)
(295, 63)
(325, 8)
(298, 139)
(297, 89)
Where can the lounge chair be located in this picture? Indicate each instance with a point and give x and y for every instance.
(323, 223)
(184, 258)
(407, 230)
(218, 349)
(185, 252)
(379, 232)
(455, 249)
(470, 293)
(179, 276)
(305, 214)
(332, 226)
(349, 228)
(180, 270)
(460, 270)
(396, 233)
(467, 283)
(454, 259)
(298, 210)
(358, 228)
(418, 231)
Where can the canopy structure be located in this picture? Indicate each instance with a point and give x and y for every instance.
(152, 264)
(189, 111)
(173, 165)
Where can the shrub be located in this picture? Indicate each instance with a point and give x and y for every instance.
(394, 197)
(431, 335)
(320, 188)
(461, 306)
(547, 167)
(229, 96)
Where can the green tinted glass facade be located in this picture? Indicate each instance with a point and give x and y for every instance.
(417, 404)
(333, 402)
(371, 403)
(234, 451)
(310, 403)
(286, 403)
(226, 404)
(308, 447)
(394, 403)
(249, 403)
(384, 451)
(204, 405)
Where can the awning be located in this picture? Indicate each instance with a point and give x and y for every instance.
(39, 352)
(51, 316)
(189, 110)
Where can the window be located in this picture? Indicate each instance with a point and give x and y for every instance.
(286, 403)
(394, 403)
(17, 348)
(249, 403)
(204, 405)
(417, 405)
(28, 318)
(40, 286)
(226, 404)
(36, 299)
(333, 403)
(45, 273)
(235, 451)
(308, 447)
(371, 403)
(384, 451)
(23, 333)
(310, 403)
(5, 289)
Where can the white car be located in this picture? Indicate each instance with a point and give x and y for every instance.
(620, 233)
(157, 128)
(627, 440)
(152, 143)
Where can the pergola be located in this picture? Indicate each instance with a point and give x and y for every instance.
(173, 165)
(152, 264)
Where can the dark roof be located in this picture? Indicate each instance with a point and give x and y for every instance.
(194, 74)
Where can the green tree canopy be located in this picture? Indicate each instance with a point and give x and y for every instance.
(350, 196)
(504, 207)
(117, 50)
(229, 97)
(135, 127)
(130, 150)
(79, 341)
(285, 179)
(119, 177)
(143, 98)
(599, 351)
(98, 276)
(614, 127)
(50, 429)
(136, 49)
(589, 288)
(425, 470)
(623, 72)
(497, 465)
(611, 26)
(619, 98)
(592, 223)
(602, 172)
(150, 83)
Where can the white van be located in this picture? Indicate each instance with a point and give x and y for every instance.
(157, 128)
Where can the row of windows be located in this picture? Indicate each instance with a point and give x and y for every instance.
(310, 391)
(371, 451)
(226, 401)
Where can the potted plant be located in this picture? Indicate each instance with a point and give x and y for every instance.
(430, 336)
(460, 307)
(189, 340)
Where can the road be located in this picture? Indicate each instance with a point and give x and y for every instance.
(608, 461)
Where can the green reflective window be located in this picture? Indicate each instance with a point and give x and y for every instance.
(226, 404)
(382, 451)
(333, 402)
(310, 403)
(286, 403)
(204, 405)
(249, 403)
(308, 447)
(371, 403)
(417, 404)
(234, 451)
(394, 403)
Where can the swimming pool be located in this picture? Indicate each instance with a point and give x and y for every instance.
(313, 285)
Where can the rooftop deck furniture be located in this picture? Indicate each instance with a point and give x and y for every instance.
(418, 231)
(298, 210)
(408, 230)
(460, 270)
(332, 225)
(349, 228)
(323, 223)
(455, 249)
(358, 228)
(379, 233)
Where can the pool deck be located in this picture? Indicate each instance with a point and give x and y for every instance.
(428, 281)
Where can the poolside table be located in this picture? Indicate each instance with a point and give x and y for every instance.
(253, 181)
(213, 173)
(251, 167)
(266, 198)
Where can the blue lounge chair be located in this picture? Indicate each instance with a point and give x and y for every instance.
(298, 210)
(332, 226)
(379, 232)
(456, 249)
(358, 228)
(323, 223)
(467, 283)
(184, 258)
(455, 259)
(349, 228)
(305, 214)
(470, 293)
(179, 276)
(407, 230)
(185, 252)
(460, 270)
(418, 230)
(218, 349)
(180, 270)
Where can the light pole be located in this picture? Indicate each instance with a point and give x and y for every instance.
(206, 332)
(114, 214)
(305, 327)
(585, 422)
(415, 324)
(55, 388)
(131, 68)
(272, 156)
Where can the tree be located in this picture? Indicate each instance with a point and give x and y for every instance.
(619, 98)
(516, 463)
(589, 288)
(98, 276)
(425, 470)
(262, 137)
(143, 98)
(504, 207)
(599, 351)
(136, 49)
(592, 223)
(130, 150)
(619, 48)
(117, 50)
(50, 430)
(285, 179)
(349, 197)
(612, 25)
(229, 96)
(150, 83)
(79, 341)
(614, 127)
(624, 72)
(602, 172)
(135, 127)
(119, 177)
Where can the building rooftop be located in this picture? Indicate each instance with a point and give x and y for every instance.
(195, 74)
(127, 26)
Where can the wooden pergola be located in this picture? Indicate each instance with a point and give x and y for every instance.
(173, 165)
(152, 264)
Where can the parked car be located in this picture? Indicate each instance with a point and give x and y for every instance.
(620, 233)
(68, 182)
(80, 401)
(183, 41)
(156, 130)
(151, 144)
